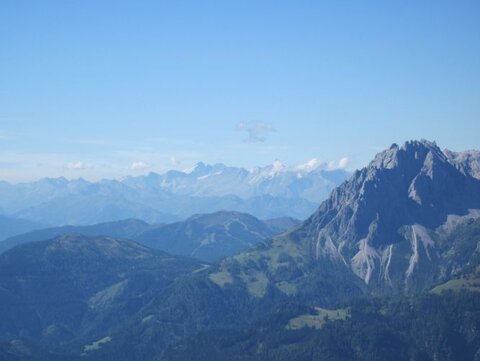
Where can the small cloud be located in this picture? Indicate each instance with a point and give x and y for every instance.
(256, 131)
(343, 163)
(310, 165)
(78, 165)
(139, 166)
(340, 164)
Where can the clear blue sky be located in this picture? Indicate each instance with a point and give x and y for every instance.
(100, 85)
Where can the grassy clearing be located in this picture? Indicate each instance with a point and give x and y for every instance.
(280, 245)
(221, 278)
(287, 287)
(471, 284)
(317, 320)
(257, 283)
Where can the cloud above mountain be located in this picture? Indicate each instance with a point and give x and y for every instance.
(256, 132)
(79, 165)
(139, 166)
(342, 163)
(315, 163)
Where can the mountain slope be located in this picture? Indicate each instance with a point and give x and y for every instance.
(75, 289)
(208, 236)
(282, 224)
(125, 229)
(423, 328)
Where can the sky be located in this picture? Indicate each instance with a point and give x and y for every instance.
(103, 89)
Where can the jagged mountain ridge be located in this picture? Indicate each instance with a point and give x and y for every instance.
(268, 192)
(312, 181)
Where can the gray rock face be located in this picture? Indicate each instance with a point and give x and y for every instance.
(468, 162)
(383, 223)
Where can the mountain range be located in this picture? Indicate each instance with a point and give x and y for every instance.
(265, 192)
(207, 237)
(126, 229)
(387, 267)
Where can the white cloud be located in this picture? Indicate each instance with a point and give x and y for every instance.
(78, 165)
(256, 131)
(139, 166)
(310, 165)
(340, 164)
(343, 163)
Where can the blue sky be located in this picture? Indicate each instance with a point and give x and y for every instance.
(92, 88)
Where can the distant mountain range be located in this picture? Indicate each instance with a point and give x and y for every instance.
(206, 237)
(387, 268)
(266, 192)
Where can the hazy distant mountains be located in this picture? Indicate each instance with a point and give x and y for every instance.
(206, 237)
(311, 181)
(267, 192)
(11, 226)
(124, 229)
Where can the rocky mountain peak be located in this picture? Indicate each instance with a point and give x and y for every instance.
(411, 154)
(413, 186)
